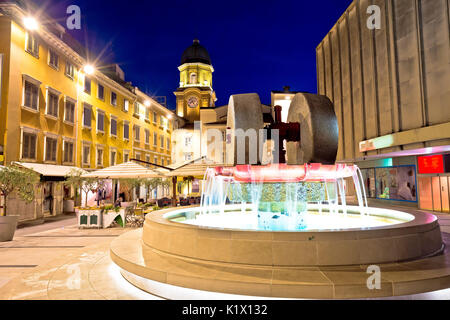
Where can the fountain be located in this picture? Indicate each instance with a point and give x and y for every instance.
(280, 230)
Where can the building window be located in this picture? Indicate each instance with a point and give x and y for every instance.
(29, 145)
(113, 157)
(53, 59)
(147, 158)
(32, 45)
(113, 98)
(86, 154)
(162, 161)
(69, 111)
(147, 136)
(162, 142)
(126, 156)
(136, 108)
(101, 92)
(155, 160)
(100, 122)
(161, 120)
(137, 155)
(50, 149)
(68, 151)
(137, 133)
(147, 114)
(155, 118)
(193, 78)
(188, 156)
(87, 85)
(87, 116)
(99, 157)
(70, 70)
(126, 105)
(126, 131)
(31, 95)
(168, 144)
(52, 104)
(113, 127)
(155, 139)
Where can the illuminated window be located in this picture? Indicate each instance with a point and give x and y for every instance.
(101, 92)
(87, 85)
(51, 145)
(100, 122)
(29, 141)
(52, 103)
(113, 127)
(113, 98)
(68, 151)
(31, 95)
(32, 46)
(70, 70)
(69, 111)
(87, 116)
(53, 59)
(86, 154)
(126, 131)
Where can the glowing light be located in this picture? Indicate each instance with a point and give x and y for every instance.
(147, 103)
(169, 116)
(30, 23)
(89, 69)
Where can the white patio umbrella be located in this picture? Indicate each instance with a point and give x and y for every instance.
(124, 171)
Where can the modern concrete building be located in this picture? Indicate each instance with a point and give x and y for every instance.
(390, 88)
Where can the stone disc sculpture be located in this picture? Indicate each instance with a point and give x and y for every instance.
(318, 130)
(245, 119)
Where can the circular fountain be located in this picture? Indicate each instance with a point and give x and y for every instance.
(285, 230)
(276, 231)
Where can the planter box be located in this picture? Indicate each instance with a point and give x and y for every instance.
(110, 216)
(8, 227)
(89, 218)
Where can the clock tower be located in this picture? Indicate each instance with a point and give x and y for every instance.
(195, 91)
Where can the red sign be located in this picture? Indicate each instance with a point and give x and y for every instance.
(431, 164)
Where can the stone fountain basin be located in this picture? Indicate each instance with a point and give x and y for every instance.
(414, 239)
(167, 255)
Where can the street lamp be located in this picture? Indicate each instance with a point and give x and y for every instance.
(147, 103)
(30, 23)
(88, 69)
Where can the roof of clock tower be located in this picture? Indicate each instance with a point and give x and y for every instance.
(196, 53)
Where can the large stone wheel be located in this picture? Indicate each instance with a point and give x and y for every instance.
(244, 117)
(319, 130)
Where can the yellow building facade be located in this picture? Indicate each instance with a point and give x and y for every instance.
(53, 113)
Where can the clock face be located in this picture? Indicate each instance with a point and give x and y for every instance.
(192, 102)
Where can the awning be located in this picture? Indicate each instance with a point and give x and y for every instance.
(124, 171)
(48, 170)
(194, 169)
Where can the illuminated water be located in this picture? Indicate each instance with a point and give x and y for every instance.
(279, 197)
(230, 218)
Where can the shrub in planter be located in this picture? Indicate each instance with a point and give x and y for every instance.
(22, 182)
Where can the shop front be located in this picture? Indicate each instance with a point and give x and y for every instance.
(422, 181)
(434, 181)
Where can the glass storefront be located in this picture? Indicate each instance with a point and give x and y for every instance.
(391, 183)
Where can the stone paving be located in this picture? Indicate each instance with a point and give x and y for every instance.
(59, 261)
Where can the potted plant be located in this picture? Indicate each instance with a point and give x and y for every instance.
(74, 180)
(22, 182)
(89, 217)
(112, 213)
